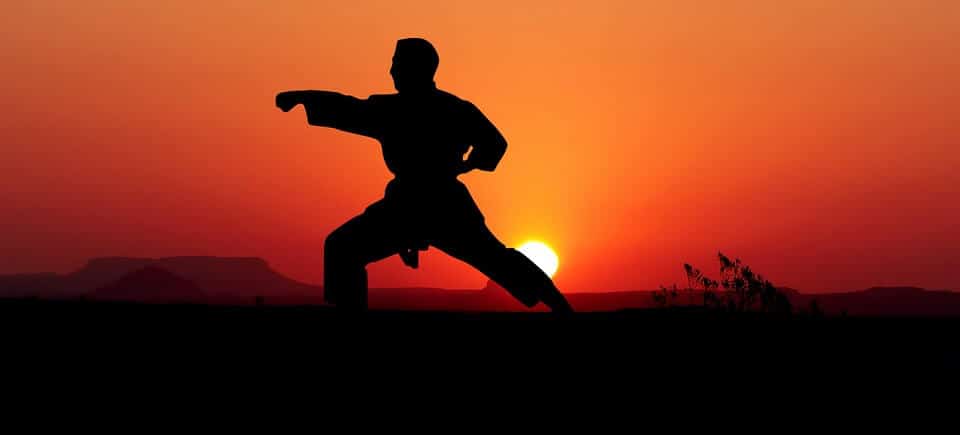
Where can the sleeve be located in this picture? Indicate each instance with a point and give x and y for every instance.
(488, 144)
(342, 112)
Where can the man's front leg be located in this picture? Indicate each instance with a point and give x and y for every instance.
(348, 250)
(344, 269)
(344, 284)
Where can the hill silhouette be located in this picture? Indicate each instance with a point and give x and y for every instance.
(888, 301)
(151, 284)
(34, 285)
(99, 272)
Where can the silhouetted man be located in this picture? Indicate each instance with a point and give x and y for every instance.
(424, 134)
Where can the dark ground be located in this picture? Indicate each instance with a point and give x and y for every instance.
(612, 346)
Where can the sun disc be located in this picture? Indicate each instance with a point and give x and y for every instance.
(541, 255)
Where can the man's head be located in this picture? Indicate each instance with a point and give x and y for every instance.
(414, 64)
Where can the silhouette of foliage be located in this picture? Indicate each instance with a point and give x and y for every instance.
(666, 295)
(738, 289)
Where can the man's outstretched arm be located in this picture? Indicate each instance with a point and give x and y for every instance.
(489, 145)
(331, 109)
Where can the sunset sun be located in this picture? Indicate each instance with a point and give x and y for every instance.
(541, 255)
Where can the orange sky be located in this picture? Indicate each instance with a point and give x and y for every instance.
(817, 140)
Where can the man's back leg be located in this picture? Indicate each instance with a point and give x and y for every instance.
(516, 273)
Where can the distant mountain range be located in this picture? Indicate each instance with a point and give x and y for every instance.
(195, 279)
(217, 280)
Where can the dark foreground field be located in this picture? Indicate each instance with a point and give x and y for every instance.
(614, 346)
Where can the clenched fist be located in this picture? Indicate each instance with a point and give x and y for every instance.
(288, 100)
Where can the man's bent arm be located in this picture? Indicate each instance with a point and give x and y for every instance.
(332, 109)
(489, 145)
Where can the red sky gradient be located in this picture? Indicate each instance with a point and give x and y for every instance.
(817, 140)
